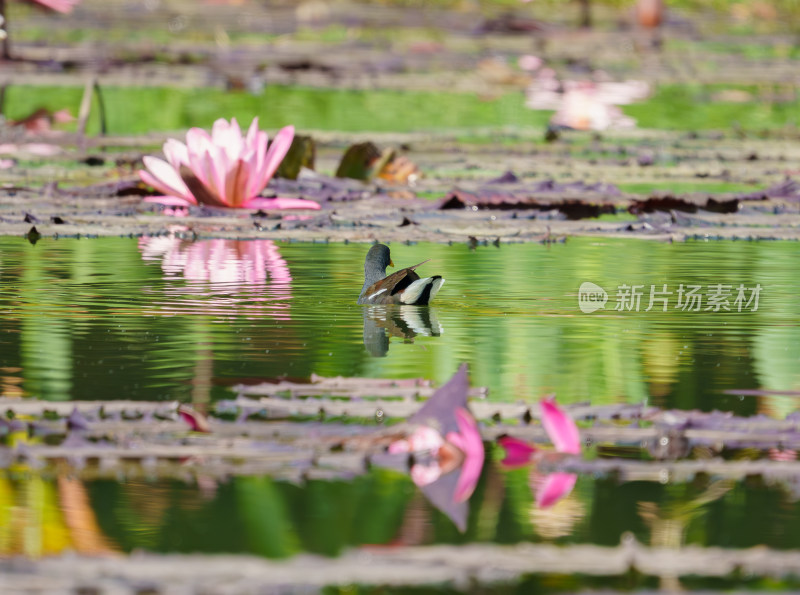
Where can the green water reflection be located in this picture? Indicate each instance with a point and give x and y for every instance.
(275, 519)
(121, 318)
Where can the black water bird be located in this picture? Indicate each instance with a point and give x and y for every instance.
(403, 287)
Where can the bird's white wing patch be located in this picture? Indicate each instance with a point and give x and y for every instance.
(436, 286)
(412, 292)
(376, 294)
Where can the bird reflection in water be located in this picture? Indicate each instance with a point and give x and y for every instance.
(406, 322)
(250, 274)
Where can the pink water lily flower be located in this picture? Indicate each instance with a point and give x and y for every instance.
(222, 169)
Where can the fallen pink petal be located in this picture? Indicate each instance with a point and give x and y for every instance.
(223, 169)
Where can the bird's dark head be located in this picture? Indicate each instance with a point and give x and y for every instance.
(378, 257)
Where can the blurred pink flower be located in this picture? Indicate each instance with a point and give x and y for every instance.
(468, 440)
(63, 6)
(564, 435)
(529, 62)
(518, 452)
(552, 487)
(223, 169)
(560, 427)
(34, 149)
(585, 105)
(780, 454)
(421, 439)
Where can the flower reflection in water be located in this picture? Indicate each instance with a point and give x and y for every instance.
(248, 274)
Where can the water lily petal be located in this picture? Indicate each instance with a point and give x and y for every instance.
(468, 440)
(560, 427)
(217, 161)
(200, 164)
(198, 143)
(252, 134)
(219, 129)
(280, 203)
(177, 153)
(518, 452)
(258, 179)
(275, 154)
(228, 137)
(554, 487)
(169, 201)
(163, 177)
(236, 184)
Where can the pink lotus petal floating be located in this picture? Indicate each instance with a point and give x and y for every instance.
(223, 169)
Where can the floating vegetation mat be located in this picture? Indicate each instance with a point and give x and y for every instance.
(343, 424)
(640, 184)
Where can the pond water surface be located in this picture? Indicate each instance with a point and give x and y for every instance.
(163, 318)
